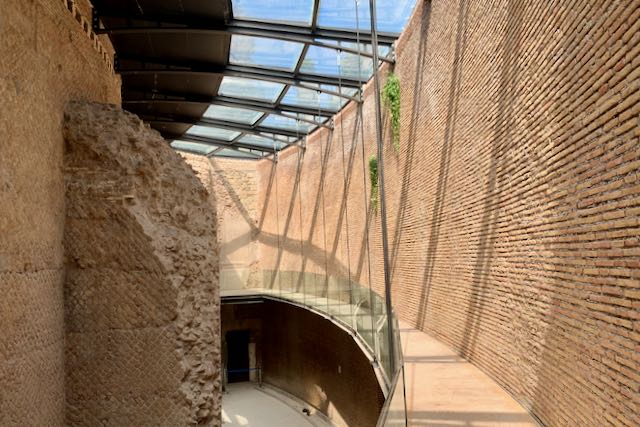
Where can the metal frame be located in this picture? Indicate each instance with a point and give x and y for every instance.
(288, 78)
(308, 36)
(255, 128)
(262, 107)
(312, 35)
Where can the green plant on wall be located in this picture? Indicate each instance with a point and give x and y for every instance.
(373, 176)
(391, 100)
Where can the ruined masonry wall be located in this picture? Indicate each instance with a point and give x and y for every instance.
(47, 59)
(233, 184)
(141, 292)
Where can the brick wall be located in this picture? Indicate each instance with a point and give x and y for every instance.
(233, 184)
(513, 203)
(47, 59)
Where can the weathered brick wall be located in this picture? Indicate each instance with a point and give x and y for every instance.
(514, 201)
(233, 184)
(46, 60)
(142, 308)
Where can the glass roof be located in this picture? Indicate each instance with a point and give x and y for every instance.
(264, 52)
(392, 15)
(240, 87)
(325, 61)
(302, 97)
(261, 141)
(239, 152)
(296, 64)
(231, 114)
(203, 149)
(296, 12)
(212, 132)
(286, 123)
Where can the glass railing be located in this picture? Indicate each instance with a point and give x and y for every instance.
(357, 308)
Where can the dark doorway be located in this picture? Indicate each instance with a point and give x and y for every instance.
(237, 356)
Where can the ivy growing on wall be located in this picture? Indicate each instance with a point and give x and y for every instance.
(373, 176)
(391, 100)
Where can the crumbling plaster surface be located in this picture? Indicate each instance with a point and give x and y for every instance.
(142, 307)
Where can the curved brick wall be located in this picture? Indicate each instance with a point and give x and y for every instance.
(514, 202)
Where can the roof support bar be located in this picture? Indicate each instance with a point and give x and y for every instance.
(167, 24)
(217, 143)
(163, 66)
(214, 101)
(221, 124)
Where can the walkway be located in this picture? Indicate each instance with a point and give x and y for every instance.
(444, 390)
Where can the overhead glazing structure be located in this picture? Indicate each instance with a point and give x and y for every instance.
(244, 78)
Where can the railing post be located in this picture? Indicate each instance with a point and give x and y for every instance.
(383, 204)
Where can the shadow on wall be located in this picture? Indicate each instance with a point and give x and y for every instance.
(416, 111)
(503, 139)
(445, 155)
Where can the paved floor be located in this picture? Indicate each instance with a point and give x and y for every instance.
(444, 390)
(244, 404)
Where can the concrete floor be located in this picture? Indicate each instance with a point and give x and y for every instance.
(244, 404)
(444, 390)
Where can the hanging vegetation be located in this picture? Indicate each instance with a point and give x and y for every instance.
(391, 100)
(373, 176)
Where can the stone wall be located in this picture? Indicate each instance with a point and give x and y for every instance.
(233, 184)
(513, 202)
(47, 59)
(142, 315)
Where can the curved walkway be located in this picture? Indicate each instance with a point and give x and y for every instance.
(445, 390)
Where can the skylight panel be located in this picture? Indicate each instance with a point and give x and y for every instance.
(214, 133)
(192, 146)
(310, 98)
(250, 89)
(261, 141)
(231, 114)
(228, 152)
(383, 50)
(264, 52)
(296, 12)
(392, 15)
(329, 62)
(291, 124)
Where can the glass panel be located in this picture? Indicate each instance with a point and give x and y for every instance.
(250, 89)
(261, 141)
(286, 11)
(227, 152)
(192, 146)
(237, 115)
(340, 14)
(325, 61)
(264, 52)
(280, 122)
(215, 133)
(394, 413)
(311, 98)
(383, 50)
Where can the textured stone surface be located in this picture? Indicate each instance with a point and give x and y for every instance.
(233, 184)
(141, 293)
(46, 59)
(514, 202)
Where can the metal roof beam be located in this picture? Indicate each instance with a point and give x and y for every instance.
(169, 24)
(217, 143)
(255, 130)
(289, 115)
(164, 66)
